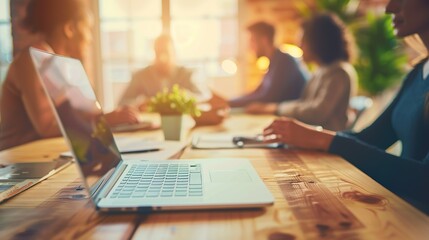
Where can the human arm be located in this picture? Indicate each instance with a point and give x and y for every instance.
(380, 133)
(262, 108)
(404, 176)
(217, 111)
(298, 134)
(284, 81)
(367, 151)
(34, 98)
(333, 88)
(122, 115)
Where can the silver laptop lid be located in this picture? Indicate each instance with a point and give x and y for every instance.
(79, 114)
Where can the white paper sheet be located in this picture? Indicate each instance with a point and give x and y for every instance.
(224, 141)
(167, 150)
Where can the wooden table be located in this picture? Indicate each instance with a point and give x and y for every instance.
(317, 195)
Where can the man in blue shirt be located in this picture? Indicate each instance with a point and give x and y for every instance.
(286, 77)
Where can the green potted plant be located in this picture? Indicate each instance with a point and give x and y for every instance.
(347, 10)
(382, 61)
(172, 104)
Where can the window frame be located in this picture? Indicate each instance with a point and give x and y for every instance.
(6, 23)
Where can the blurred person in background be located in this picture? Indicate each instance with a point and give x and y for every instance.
(65, 28)
(325, 100)
(163, 73)
(286, 76)
(406, 120)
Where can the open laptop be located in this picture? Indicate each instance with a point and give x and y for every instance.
(142, 186)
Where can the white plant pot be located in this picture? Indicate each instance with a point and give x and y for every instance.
(172, 127)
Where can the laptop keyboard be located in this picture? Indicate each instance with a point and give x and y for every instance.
(160, 180)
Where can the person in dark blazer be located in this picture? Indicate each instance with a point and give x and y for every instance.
(286, 76)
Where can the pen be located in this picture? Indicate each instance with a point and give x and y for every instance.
(140, 151)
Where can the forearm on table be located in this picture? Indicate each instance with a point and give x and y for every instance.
(245, 100)
(403, 176)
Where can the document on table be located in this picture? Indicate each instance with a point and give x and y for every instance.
(162, 150)
(226, 141)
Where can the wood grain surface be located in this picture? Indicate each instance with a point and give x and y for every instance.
(317, 196)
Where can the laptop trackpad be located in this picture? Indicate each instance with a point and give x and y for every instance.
(222, 176)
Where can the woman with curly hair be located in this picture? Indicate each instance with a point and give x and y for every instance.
(325, 100)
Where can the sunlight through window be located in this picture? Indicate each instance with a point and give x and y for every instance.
(205, 35)
(5, 39)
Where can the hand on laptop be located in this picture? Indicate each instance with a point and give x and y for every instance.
(123, 115)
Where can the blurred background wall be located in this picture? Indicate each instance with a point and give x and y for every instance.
(210, 37)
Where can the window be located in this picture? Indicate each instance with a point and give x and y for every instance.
(127, 29)
(205, 34)
(5, 38)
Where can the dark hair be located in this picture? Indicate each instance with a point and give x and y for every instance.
(263, 29)
(328, 38)
(43, 16)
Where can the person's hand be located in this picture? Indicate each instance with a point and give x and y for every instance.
(218, 102)
(211, 117)
(261, 108)
(213, 111)
(143, 106)
(298, 134)
(123, 115)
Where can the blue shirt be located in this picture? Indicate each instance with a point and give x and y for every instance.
(285, 80)
(405, 121)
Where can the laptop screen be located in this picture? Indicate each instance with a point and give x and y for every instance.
(79, 114)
